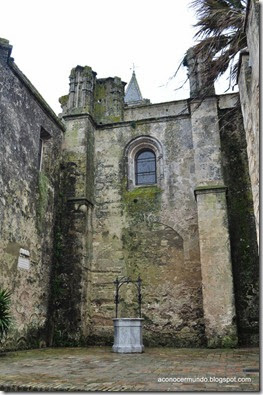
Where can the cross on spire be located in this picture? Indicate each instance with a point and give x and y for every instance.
(133, 68)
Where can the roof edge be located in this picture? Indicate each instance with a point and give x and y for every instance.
(41, 101)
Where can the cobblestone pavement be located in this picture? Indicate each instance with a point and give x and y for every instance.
(98, 369)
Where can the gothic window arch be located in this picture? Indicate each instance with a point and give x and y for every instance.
(144, 162)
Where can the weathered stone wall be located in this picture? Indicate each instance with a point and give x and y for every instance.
(108, 100)
(168, 109)
(69, 310)
(85, 222)
(198, 65)
(217, 279)
(248, 83)
(27, 202)
(151, 231)
(155, 231)
(241, 220)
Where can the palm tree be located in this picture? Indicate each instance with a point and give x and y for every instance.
(5, 318)
(222, 36)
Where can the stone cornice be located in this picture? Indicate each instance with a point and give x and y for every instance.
(205, 189)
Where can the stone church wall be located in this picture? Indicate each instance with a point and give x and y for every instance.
(111, 227)
(242, 227)
(248, 83)
(27, 201)
(78, 220)
(148, 231)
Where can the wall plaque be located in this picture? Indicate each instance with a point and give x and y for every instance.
(23, 259)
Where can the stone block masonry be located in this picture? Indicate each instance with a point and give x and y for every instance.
(173, 233)
(248, 83)
(81, 206)
(31, 137)
(148, 230)
(242, 230)
(217, 279)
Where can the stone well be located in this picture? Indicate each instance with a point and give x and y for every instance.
(128, 335)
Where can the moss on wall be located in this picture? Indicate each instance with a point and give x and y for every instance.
(155, 251)
(65, 277)
(63, 100)
(114, 118)
(99, 102)
(141, 201)
(108, 101)
(241, 225)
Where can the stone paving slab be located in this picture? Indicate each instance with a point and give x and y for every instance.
(157, 369)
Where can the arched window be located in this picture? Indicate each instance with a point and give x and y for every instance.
(144, 162)
(145, 167)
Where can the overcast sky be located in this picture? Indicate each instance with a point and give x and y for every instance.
(52, 36)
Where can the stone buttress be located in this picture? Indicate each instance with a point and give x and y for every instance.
(210, 192)
(88, 100)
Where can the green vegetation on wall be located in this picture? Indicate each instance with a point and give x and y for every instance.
(142, 200)
(63, 100)
(99, 102)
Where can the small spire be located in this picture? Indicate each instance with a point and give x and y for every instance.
(133, 94)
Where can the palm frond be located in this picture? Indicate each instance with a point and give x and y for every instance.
(5, 318)
(220, 30)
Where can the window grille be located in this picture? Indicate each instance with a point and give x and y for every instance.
(145, 168)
